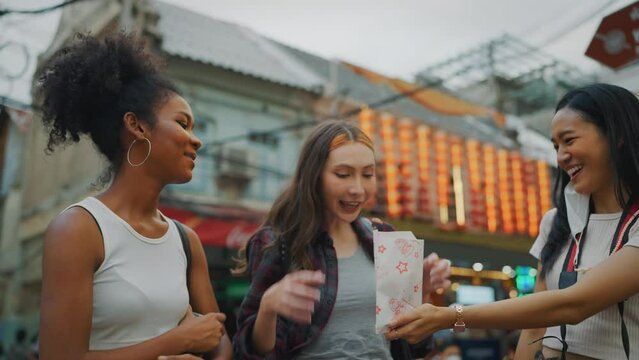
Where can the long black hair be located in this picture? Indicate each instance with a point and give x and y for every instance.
(615, 112)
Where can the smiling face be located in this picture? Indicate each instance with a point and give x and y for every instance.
(583, 152)
(174, 143)
(347, 181)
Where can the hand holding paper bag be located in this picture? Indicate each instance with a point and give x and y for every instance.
(398, 271)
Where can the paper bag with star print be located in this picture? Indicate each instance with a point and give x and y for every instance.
(398, 270)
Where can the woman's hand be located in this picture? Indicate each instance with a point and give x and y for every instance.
(294, 297)
(179, 357)
(420, 323)
(436, 275)
(203, 332)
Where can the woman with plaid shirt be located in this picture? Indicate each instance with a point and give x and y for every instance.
(314, 236)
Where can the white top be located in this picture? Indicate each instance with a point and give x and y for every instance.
(139, 291)
(599, 336)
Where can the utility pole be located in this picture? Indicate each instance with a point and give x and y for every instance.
(11, 242)
(126, 15)
(331, 88)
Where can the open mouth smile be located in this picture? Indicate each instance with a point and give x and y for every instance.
(573, 171)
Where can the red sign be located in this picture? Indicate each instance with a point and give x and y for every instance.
(214, 231)
(616, 42)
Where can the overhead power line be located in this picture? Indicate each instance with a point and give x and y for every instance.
(303, 124)
(210, 149)
(556, 36)
(575, 25)
(4, 12)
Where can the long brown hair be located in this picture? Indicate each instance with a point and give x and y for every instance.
(297, 215)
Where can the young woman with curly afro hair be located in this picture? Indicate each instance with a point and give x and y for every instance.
(114, 269)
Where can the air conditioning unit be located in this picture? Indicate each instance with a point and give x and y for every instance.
(237, 163)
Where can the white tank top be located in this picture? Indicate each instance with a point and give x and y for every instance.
(139, 290)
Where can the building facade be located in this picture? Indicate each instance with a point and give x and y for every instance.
(447, 169)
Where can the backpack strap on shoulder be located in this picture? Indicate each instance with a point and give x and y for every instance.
(186, 245)
(629, 218)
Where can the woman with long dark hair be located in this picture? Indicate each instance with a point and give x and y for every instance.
(588, 247)
(114, 277)
(312, 292)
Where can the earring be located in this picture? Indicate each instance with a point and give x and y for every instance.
(128, 153)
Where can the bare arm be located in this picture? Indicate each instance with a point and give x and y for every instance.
(526, 350)
(201, 293)
(73, 250)
(264, 330)
(603, 286)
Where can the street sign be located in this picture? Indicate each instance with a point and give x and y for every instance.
(616, 42)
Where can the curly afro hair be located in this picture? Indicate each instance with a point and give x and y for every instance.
(88, 86)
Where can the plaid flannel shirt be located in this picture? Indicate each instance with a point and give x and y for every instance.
(266, 268)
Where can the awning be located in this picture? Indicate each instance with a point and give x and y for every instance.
(213, 231)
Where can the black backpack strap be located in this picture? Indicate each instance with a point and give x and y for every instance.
(186, 245)
(620, 305)
(624, 331)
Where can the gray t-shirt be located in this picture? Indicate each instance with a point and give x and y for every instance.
(350, 331)
(599, 336)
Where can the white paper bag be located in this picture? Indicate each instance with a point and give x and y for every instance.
(398, 271)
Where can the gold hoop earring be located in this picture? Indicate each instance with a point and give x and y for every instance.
(128, 153)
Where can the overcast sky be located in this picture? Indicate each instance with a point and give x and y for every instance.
(394, 37)
(399, 37)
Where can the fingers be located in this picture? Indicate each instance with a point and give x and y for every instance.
(188, 315)
(404, 319)
(412, 332)
(392, 334)
(437, 271)
(221, 317)
(306, 277)
(415, 325)
(298, 295)
(303, 292)
(304, 284)
(440, 274)
(429, 263)
(179, 357)
(215, 324)
(299, 308)
(297, 315)
(217, 319)
(440, 265)
(430, 260)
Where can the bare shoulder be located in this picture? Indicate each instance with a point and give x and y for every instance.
(190, 233)
(194, 239)
(75, 233)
